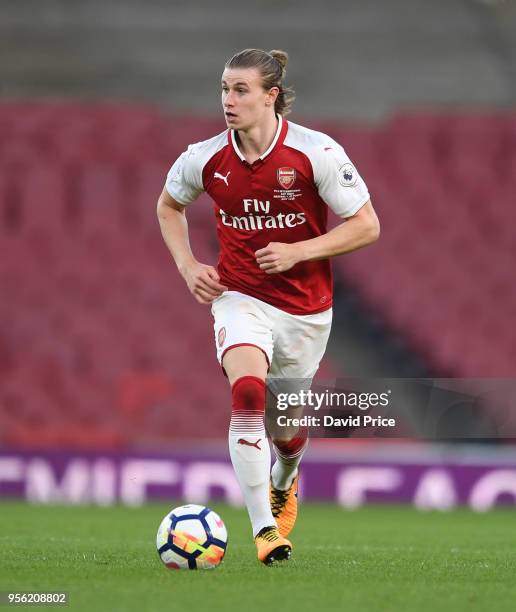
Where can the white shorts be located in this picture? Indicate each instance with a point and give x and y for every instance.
(293, 344)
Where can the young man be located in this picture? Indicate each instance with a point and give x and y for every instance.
(271, 293)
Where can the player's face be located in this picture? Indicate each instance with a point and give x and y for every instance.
(244, 101)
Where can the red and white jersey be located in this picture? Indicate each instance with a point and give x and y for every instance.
(281, 197)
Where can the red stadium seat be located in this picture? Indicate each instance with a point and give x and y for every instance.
(101, 344)
(447, 240)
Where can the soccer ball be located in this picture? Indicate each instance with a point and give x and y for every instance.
(192, 537)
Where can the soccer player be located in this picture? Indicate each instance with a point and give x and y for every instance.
(271, 292)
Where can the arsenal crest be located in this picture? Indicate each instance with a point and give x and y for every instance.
(286, 177)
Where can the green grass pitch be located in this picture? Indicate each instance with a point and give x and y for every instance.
(376, 558)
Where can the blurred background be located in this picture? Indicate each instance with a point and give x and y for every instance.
(109, 385)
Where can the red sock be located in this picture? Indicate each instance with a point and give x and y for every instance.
(294, 447)
(248, 407)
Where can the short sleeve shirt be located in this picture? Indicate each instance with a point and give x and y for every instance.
(282, 197)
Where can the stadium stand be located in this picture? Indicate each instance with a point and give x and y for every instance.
(442, 186)
(101, 345)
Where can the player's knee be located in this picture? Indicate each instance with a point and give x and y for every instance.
(241, 361)
(248, 393)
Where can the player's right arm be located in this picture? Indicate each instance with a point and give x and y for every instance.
(202, 280)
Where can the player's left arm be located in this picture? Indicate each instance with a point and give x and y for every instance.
(356, 232)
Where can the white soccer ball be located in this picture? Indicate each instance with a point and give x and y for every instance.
(192, 537)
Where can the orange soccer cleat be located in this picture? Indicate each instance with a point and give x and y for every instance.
(284, 506)
(272, 546)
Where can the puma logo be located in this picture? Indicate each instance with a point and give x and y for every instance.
(222, 177)
(247, 443)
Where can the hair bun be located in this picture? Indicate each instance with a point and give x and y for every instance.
(281, 57)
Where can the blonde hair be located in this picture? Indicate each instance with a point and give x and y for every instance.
(272, 66)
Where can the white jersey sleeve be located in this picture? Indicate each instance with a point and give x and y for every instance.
(185, 179)
(336, 178)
